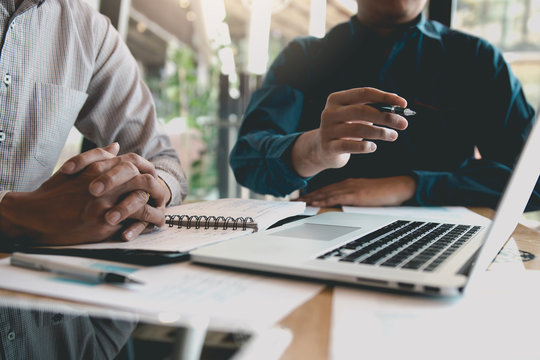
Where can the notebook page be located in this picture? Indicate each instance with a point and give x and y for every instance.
(169, 239)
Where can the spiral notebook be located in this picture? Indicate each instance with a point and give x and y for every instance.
(231, 214)
(188, 227)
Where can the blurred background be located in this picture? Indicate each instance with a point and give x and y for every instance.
(202, 59)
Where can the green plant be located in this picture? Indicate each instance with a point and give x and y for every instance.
(178, 93)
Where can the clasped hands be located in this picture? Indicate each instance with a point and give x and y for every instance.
(95, 196)
(348, 124)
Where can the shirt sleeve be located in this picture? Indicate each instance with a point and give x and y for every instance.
(120, 108)
(500, 120)
(261, 157)
(2, 194)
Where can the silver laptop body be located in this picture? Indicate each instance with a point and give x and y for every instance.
(414, 255)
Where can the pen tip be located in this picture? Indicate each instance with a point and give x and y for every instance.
(134, 281)
(409, 112)
(121, 278)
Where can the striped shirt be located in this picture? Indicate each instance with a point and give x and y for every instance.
(63, 64)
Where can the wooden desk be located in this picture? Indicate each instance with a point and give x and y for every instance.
(310, 323)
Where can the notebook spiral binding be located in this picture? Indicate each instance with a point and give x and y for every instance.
(206, 222)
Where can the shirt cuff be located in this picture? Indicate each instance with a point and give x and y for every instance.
(416, 200)
(283, 165)
(2, 194)
(177, 187)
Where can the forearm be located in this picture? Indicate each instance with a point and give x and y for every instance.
(403, 189)
(477, 183)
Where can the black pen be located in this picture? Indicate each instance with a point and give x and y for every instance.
(43, 263)
(393, 109)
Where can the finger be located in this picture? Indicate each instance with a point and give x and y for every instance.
(151, 215)
(325, 196)
(332, 197)
(131, 204)
(319, 200)
(325, 202)
(363, 112)
(341, 146)
(144, 166)
(326, 191)
(314, 198)
(81, 161)
(140, 190)
(134, 230)
(119, 172)
(148, 183)
(364, 96)
(361, 130)
(135, 206)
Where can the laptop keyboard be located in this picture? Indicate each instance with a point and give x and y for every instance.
(405, 244)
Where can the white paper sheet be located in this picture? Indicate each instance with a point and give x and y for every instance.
(311, 210)
(509, 259)
(224, 296)
(498, 319)
(170, 239)
(448, 213)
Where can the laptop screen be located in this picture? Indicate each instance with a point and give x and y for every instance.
(513, 202)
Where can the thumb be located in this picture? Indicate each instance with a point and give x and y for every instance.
(113, 148)
(81, 161)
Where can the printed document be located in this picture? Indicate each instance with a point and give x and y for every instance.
(184, 289)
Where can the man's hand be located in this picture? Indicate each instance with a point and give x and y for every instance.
(133, 175)
(390, 191)
(347, 125)
(83, 206)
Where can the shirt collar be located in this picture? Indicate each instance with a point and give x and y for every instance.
(427, 28)
(423, 25)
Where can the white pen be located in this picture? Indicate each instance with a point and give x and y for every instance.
(41, 263)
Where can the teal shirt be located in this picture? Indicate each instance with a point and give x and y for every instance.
(463, 91)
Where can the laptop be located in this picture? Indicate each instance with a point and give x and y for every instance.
(413, 255)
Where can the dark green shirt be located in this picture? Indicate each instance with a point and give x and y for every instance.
(463, 91)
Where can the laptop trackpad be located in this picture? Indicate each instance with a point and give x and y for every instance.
(316, 231)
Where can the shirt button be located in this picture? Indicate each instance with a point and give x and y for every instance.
(11, 336)
(7, 79)
(2, 136)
